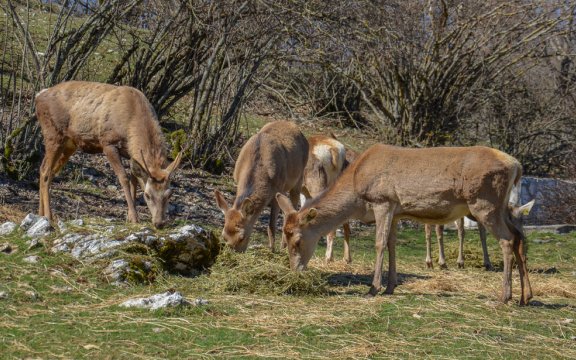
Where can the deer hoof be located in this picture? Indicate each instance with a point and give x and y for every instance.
(488, 267)
(443, 266)
(372, 292)
(389, 290)
(429, 265)
(460, 265)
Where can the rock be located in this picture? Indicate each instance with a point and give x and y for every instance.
(3, 295)
(116, 271)
(33, 243)
(112, 187)
(40, 228)
(565, 229)
(29, 220)
(200, 302)
(158, 301)
(7, 228)
(32, 259)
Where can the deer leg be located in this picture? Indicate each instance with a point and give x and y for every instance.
(519, 252)
(347, 255)
(113, 156)
(274, 209)
(440, 238)
(330, 246)
(428, 235)
(461, 234)
(392, 275)
(133, 186)
(487, 264)
(53, 154)
(507, 255)
(384, 215)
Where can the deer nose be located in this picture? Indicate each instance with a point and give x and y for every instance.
(159, 224)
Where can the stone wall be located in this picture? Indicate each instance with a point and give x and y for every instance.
(555, 200)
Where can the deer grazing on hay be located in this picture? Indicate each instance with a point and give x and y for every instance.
(115, 120)
(326, 160)
(271, 161)
(430, 185)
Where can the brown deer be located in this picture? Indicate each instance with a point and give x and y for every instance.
(461, 233)
(430, 185)
(115, 120)
(271, 161)
(326, 160)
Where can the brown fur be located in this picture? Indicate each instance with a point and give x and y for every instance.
(433, 185)
(271, 161)
(326, 160)
(114, 120)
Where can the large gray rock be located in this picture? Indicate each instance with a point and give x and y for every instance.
(158, 301)
(40, 228)
(7, 228)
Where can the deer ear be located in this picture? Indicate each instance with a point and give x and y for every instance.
(284, 203)
(220, 201)
(522, 210)
(247, 208)
(308, 216)
(304, 191)
(174, 165)
(138, 170)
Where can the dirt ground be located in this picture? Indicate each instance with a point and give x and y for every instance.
(87, 187)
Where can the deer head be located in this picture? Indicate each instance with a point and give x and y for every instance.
(155, 184)
(296, 234)
(237, 222)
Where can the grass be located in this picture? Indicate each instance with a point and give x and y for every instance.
(61, 308)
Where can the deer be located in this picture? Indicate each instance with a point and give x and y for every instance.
(427, 185)
(117, 121)
(439, 229)
(271, 161)
(326, 160)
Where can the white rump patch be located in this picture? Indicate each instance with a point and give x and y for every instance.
(332, 166)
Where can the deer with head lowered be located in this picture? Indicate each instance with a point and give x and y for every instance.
(429, 185)
(115, 120)
(270, 162)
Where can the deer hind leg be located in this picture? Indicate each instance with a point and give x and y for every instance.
(57, 154)
(487, 264)
(274, 210)
(440, 239)
(347, 255)
(495, 223)
(428, 235)
(384, 214)
(520, 254)
(461, 235)
(113, 156)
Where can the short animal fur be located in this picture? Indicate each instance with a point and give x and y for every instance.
(272, 161)
(115, 120)
(431, 185)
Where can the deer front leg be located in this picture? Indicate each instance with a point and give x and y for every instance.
(428, 235)
(440, 239)
(113, 156)
(330, 246)
(487, 264)
(274, 209)
(347, 255)
(56, 156)
(461, 234)
(384, 214)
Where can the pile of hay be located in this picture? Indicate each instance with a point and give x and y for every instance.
(260, 271)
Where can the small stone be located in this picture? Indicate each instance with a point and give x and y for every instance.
(200, 302)
(7, 228)
(33, 295)
(112, 187)
(158, 301)
(40, 228)
(29, 220)
(3, 295)
(32, 259)
(33, 243)
(567, 321)
(77, 222)
(157, 330)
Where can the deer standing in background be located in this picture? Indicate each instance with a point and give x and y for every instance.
(271, 161)
(115, 120)
(461, 233)
(326, 160)
(429, 185)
